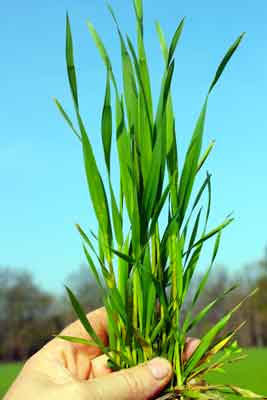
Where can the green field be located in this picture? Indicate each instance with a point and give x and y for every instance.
(250, 373)
(8, 372)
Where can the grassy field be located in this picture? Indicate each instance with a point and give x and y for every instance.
(250, 373)
(8, 372)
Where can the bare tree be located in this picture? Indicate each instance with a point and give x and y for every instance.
(27, 315)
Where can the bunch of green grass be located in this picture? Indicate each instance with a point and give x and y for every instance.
(146, 273)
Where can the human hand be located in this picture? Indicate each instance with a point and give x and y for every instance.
(67, 371)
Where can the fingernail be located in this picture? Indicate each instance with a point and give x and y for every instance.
(160, 368)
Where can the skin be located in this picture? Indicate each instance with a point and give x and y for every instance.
(67, 371)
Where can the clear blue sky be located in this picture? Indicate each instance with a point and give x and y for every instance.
(43, 188)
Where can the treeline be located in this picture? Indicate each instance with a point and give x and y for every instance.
(253, 311)
(30, 316)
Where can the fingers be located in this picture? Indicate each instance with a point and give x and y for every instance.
(98, 320)
(190, 346)
(99, 364)
(138, 383)
(99, 367)
(75, 357)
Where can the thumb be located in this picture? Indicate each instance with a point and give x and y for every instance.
(138, 383)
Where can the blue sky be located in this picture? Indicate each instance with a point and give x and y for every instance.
(43, 186)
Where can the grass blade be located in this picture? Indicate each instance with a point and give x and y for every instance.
(84, 320)
(175, 40)
(202, 314)
(225, 60)
(142, 84)
(93, 268)
(67, 118)
(116, 217)
(191, 162)
(96, 186)
(162, 41)
(73, 339)
(204, 280)
(103, 53)
(205, 155)
(106, 124)
(208, 338)
(70, 64)
(213, 232)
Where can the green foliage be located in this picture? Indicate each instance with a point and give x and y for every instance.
(147, 274)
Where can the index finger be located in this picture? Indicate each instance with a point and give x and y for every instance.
(98, 321)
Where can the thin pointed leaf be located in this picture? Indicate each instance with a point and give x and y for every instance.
(204, 280)
(194, 232)
(150, 307)
(213, 231)
(191, 162)
(73, 339)
(138, 5)
(190, 269)
(225, 60)
(89, 243)
(175, 40)
(116, 217)
(67, 118)
(202, 314)
(208, 338)
(205, 155)
(130, 89)
(247, 394)
(103, 53)
(205, 344)
(163, 44)
(117, 304)
(106, 124)
(158, 210)
(167, 85)
(96, 186)
(208, 205)
(70, 64)
(140, 78)
(93, 268)
(123, 256)
(84, 320)
(201, 190)
(123, 271)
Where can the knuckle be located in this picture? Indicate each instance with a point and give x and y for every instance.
(76, 390)
(93, 389)
(133, 384)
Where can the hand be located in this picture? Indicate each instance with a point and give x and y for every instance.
(68, 371)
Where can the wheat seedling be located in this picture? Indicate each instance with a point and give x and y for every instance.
(146, 272)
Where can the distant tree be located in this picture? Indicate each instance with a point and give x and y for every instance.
(28, 317)
(84, 286)
(258, 310)
(218, 282)
(253, 311)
